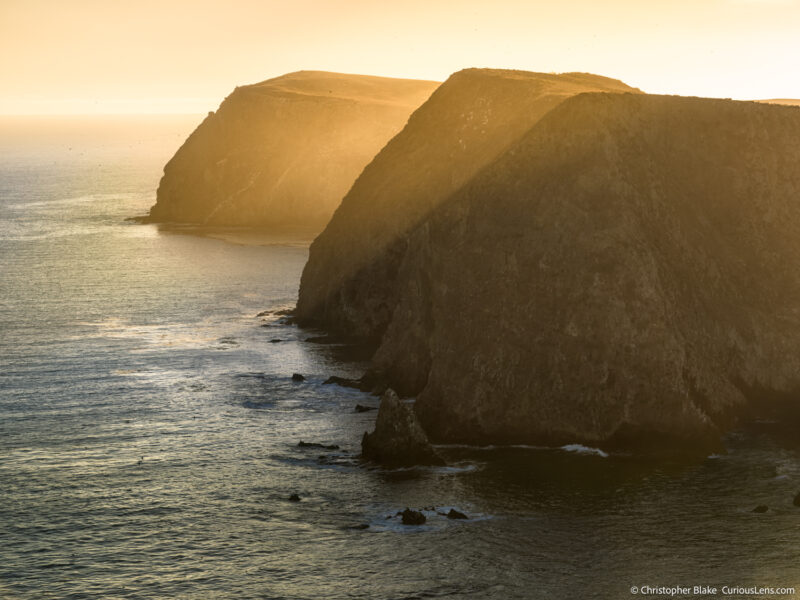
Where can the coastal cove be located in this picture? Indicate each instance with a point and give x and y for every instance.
(150, 429)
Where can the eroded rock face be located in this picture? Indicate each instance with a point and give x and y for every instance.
(398, 439)
(627, 272)
(349, 283)
(281, 154)
(630, 271)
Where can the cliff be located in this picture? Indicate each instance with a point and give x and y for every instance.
(282, 153)
(627, 272)
(467, 123)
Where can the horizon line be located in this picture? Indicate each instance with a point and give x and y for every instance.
(105, 114)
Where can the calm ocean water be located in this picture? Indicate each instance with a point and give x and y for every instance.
(149, 430)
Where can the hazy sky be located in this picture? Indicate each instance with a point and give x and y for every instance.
(110, 56)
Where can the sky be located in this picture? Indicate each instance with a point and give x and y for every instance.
(185, 56)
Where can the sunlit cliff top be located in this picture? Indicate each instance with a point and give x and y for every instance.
(360, 88)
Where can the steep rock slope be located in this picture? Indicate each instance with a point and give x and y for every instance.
(349, 283)
(628, 272)
(283, 153)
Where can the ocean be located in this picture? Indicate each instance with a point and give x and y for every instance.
(149, 430)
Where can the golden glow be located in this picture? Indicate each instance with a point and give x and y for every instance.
(94, 56)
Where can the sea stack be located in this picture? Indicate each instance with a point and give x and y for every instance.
(282, 153)
(613, 269)
(398, 439)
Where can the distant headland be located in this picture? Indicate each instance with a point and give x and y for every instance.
(280, 154)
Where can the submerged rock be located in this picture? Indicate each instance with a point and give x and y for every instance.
(398, 439)
(294, 498)
(360, 408)
(303, 444)
(342, 381)
(454, 514)
(761, 508)
(797, 500)
(412, 517)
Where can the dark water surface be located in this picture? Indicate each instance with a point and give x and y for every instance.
(149, 430)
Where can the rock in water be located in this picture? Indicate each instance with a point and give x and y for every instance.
(454, 514)
(372, 382)
(761, 508)
(412, 517)
(398, 439)
(628, 265)
(280, 154)
(342, 381)
(297, 377)
(797, 500)
(302, 444)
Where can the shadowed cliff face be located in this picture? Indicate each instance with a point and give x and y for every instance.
(468, 122)
(282, 153)
(632, 266)
(627, 272)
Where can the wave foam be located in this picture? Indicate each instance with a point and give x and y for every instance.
(581, 449)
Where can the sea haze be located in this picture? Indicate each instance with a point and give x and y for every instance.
(149, 428)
